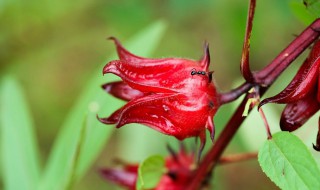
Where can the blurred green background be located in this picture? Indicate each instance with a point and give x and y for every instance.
(53, 47)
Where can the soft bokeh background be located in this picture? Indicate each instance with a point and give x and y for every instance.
(52, 47)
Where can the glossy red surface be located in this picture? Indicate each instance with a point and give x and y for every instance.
(168, 94)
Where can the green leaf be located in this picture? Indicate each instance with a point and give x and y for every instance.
(150, 172)
(19, 151)
(288, 163)
(93, 100)
(75, 159)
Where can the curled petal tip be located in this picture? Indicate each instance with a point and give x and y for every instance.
(111, 38)
(106, 68)
(266, 101)
(121, 90)
(316, 147)
(210, 126)
(106, 87)
(105, 120)
(263, 102)
(114, 39)
(100, 119)
(111, 67)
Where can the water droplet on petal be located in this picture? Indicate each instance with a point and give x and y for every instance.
(166, 108)
(154, 116)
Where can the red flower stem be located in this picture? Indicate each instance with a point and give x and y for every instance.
(264, 79)
(235, 93)
(244, 64)
(265, 123)
(212, 157)
(266, 76)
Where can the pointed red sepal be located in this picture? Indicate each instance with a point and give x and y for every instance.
(179, 170)
(296, 114)
(125, 54)
(302, 84)
(205, 61)
(121, 90)
(162, 113)
(210, 127)
(202, 137)
(112, 119)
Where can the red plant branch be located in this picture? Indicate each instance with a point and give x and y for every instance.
(213, 156)
(235, 93)
(264, 80)
(244, 65)
(266, 76)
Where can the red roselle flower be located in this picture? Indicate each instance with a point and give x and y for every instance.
(302, 95)
(174, 96)
(178, 175)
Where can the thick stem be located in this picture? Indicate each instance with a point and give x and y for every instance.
(264, 79)
(266, 76)
(235, 93)
(212, 157)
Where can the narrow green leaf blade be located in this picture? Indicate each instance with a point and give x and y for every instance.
(20, 156)
(93, 100)
(150, 172)
(288, 163)
(76, 156)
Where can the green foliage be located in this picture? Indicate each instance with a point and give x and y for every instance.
(307, 10)
(59, 42)
(150, 172)
(288, 163)
(75, 160)
(313, 6)
(92, 101)
(20, 156)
